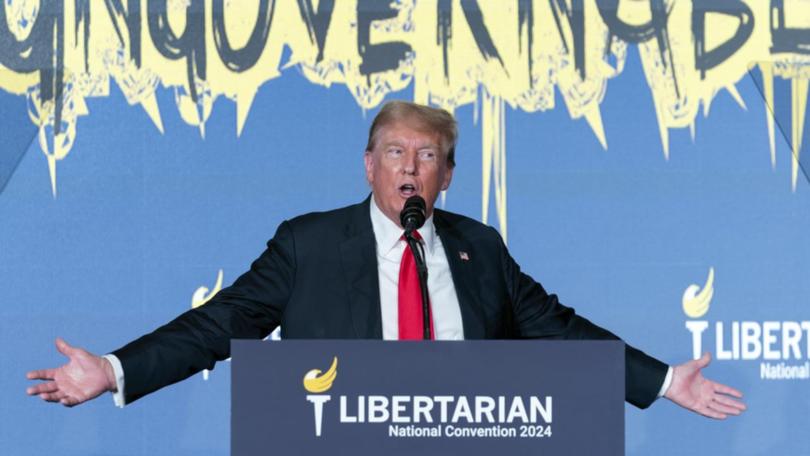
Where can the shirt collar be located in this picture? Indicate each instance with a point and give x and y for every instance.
(388, 234)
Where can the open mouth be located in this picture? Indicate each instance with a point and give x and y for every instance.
(407, 190)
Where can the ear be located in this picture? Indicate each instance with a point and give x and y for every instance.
(368, 159)
(448, 176)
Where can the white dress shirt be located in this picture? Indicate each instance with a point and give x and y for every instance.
(447, 323)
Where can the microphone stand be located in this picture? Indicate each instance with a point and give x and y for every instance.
(421, 269)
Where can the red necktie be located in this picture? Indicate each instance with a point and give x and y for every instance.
(410, 298)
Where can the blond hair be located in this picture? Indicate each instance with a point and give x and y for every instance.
(435, 120)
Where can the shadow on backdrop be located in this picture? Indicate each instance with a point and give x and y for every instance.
(786, 104)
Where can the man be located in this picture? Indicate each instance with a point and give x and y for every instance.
(347, 273)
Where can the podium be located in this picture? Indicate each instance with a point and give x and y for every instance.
(364, 397)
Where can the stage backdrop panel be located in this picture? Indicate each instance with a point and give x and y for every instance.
(646, 161)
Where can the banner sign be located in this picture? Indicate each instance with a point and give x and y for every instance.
(471, 398)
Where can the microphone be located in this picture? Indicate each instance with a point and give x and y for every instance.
(412, 216)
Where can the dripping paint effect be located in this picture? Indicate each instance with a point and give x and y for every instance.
(798, 110)
(767, 82)
(493, 145)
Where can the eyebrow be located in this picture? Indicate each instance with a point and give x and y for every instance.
(429, 145)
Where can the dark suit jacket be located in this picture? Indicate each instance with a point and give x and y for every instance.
(318, 280)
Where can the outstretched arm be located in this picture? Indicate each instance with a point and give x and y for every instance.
(692, 391)
(84, 377)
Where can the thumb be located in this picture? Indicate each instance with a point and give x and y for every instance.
(704, 360)
(64, 348)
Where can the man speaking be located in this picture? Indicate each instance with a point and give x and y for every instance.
(350, 274)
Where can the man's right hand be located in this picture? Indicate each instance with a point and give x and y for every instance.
(83, 378)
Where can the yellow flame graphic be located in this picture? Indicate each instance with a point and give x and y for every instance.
(201, 295)
(316, 383)
(696, 304)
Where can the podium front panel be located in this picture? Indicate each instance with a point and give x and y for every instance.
(359, 397)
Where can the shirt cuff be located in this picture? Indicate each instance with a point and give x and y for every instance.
(665, 385)
(118, 395)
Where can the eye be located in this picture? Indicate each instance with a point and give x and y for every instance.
(427, 155)
(393, 152)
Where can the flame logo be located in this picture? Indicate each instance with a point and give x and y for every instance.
(201, 294)
(696, 304)
(316, 383)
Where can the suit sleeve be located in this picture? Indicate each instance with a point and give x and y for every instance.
(538, 314)
(251, 308)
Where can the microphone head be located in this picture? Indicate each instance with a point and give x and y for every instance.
(412, 216)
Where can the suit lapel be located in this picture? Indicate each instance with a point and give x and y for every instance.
(358, 256)
(456, 248)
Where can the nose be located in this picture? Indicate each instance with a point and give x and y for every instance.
(411, 163)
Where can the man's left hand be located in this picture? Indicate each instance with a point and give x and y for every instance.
(692, 391)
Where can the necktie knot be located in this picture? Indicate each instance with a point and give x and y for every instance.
(414, 233)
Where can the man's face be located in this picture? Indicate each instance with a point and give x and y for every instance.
(406, 161)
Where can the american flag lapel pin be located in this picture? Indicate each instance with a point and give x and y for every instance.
(464, 256)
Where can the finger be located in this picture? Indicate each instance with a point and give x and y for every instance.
(704, 360)
(724, 408)
(730, 402)
(720, 388)
(64, 348)
(52, 397)
(48, 387)
(69, 401)
(41, 374)
(712, 413)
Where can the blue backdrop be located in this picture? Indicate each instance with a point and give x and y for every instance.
(139, 219)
